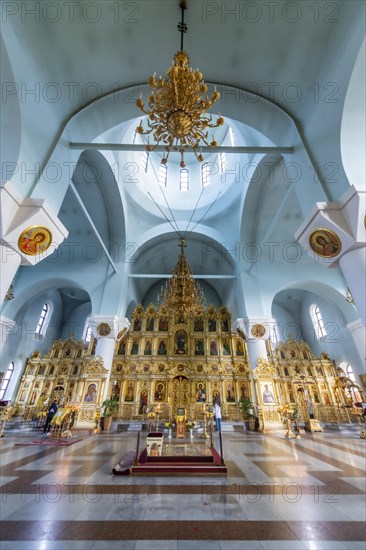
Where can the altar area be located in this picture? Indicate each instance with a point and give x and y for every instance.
(186, 355)
(167, 456)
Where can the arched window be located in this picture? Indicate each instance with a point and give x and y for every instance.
(163, 174)
(318, 323)
(205, 175)
(5, 381)
(145, 160)
(184, 179)
(44, 319)
(274, 336)
(87, 333)
(350, 374)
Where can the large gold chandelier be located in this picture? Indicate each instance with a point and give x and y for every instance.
(183, 294)
(178, 106)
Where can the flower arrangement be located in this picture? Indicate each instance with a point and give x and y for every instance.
(169, 425)
(74, 408)
(287, 411)
(190, 425)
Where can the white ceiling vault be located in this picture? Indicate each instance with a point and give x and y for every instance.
(71, 77)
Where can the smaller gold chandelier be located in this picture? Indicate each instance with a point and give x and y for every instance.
(178, 106)
(183, 294)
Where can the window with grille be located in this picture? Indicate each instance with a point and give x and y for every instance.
(318, 323)
(41, 325)
(184, 180)
(205, 175)
(5, 381)
(163, 174)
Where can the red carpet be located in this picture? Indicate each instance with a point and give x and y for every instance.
(179, 465)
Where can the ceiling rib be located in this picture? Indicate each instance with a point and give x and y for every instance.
(159, 148)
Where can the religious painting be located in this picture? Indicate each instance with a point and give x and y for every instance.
(200, 392)
(146, 368)
(213, 347)
(163, 324)
(180, 318)
(75, 370)
(180, 338)
(199, 347)
(91, 393)
(258, 330)
(116, 391)
(226, 350)
(230, 394)
(42, 369)
(150, 324)
(143, 402)
(137, 324)
(212, 325)
(161, 368)
(134, 347)
(239, 348)
(198, 324)
(162, 347)
(52, 370)
(133, 367)
(118, 367)
(224, 325)
(35, 240)
(159, 394)
(267, 393)
(325, 243)
(147, 350)
(103, 329)
(122, 347)
(130, 391)
(244, 391)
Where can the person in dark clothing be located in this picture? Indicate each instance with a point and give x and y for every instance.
(51, 413)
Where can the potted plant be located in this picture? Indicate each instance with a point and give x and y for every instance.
(110, 406)
(170, 426)
(247, 412)
(190, 425)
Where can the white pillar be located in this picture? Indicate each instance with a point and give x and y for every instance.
(107, 329)
(256, 330)
(105, 349)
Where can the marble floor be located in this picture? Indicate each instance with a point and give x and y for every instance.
(278, 494)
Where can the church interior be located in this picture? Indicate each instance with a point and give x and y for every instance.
(183, 275)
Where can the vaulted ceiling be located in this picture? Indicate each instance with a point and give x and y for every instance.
(282, 69)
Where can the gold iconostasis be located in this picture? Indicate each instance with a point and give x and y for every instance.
(166, 361)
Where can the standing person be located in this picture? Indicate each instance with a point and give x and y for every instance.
(217, 413)
(52, 410)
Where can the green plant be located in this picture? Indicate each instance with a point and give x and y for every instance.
(190, 425)
(246, 408)
(110, 405)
